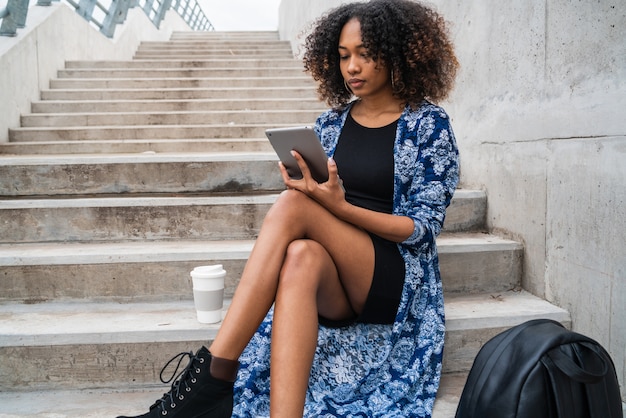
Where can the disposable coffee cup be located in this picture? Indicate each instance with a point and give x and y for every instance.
(208, 292)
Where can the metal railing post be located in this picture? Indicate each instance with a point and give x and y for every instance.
(85, 9)
(115, 15)
(147, 8)
(160, 14)
(13, 17)
(45, 2)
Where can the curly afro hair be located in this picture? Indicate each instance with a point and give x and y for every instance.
(409, 38)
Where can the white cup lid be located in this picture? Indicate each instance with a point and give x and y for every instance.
(208, 269)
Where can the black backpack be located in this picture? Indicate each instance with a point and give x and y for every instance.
(539, 369)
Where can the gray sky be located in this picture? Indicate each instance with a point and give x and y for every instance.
(242, 14)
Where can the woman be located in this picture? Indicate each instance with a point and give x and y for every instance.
(343, 282)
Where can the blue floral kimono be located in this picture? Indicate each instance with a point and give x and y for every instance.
(366, 370)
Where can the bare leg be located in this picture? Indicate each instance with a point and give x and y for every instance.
(307, 262)
(295, 216)
(308, 282)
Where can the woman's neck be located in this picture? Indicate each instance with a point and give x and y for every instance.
(373, 113)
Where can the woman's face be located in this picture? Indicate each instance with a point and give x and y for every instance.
(365, 75)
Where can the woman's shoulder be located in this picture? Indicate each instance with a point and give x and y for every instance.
(328, 126)
(424, 117)
(425, 123)
(333, 115)
(425, 109)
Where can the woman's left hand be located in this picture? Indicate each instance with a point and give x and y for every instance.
(329, 194)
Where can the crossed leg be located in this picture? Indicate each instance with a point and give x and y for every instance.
(307, 262)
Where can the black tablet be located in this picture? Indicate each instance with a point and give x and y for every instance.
(304, 140)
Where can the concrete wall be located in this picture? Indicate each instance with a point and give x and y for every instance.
(56, 34)
(540, 115)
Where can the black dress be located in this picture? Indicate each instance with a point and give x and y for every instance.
(365, 160)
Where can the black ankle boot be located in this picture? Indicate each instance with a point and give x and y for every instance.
(194, 393)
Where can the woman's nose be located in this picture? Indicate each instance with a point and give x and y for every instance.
(353, 66)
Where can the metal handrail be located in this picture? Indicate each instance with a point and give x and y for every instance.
(105, 15)
(13, 17)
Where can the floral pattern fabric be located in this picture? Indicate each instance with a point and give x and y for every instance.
(367, 370)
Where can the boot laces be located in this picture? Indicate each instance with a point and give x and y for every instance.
(182, 381)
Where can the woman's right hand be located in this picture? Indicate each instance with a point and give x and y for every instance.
(329, 194)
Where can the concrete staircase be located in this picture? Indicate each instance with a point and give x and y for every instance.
(126, 175)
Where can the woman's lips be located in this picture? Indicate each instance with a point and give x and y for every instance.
(356, 83)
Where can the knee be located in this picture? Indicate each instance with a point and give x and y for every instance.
(304, 254)
(303, 262)
(289, 206)
(290, 200)
(293, 198)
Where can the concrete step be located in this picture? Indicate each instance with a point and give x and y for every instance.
(159, 270)
(222, 44)
(472, 320)
(133, 219)
(178, 173)
(267, 54)
(106, 403)
(182, 82)
(81, 175)
(135, 146)
(147, 132)
(130, 119)
(230, 62)
(291, 71)
(291, 92)
(251, 36)
(102, 106)
(151, 217)
(205, 47)
(223, 41)
(95, 345)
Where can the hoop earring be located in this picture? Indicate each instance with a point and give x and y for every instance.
(393, 83)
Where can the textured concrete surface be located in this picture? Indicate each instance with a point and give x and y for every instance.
(83, 345)
(159, 270)
(109, 403)
(161, 174)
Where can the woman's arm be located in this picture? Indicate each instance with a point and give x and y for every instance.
(332, 196)
(394, 228)
(428, 173)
